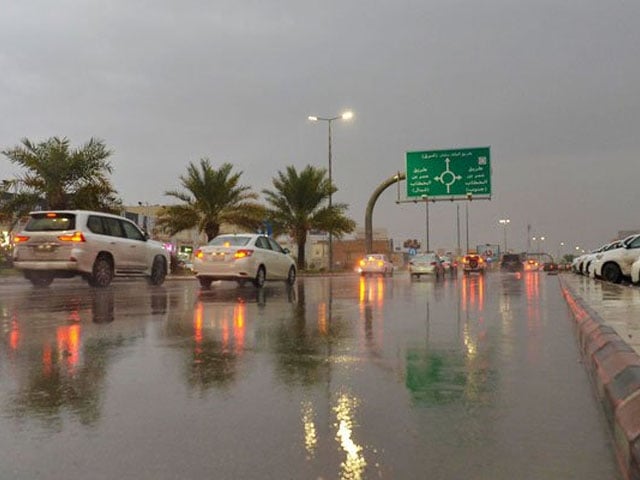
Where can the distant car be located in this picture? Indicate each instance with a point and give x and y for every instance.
(94, 245)
(450, 265)
(375, 263)
(426, 264)
(532, 265)
(511, 262)
(243, 257)
(473, 262)
(550, 267)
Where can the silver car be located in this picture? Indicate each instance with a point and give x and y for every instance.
(95, 245)
(426, 264)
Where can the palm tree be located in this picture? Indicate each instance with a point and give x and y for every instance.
(211, 197)
(58, 176)
(300, 204)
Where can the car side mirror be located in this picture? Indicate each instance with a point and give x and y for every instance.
(286, 251)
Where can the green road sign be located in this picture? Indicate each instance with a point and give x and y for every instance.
(449, 173)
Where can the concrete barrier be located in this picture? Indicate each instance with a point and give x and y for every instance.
(614, 368)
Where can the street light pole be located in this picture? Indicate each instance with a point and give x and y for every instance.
(504, 222)
(426, 223)
(467, 223)
(345, 116)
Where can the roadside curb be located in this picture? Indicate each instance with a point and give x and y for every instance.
(614, 367)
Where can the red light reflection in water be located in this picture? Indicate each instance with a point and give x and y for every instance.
(230, 323)
(371, 291)
(14, 335)
(323, 321)
(47, 360)
(239, 315)
(68, 342)
(197, 328)
(472, 292)
(371, 300)
(532, 289)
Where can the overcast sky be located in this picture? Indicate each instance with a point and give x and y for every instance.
(553, 87)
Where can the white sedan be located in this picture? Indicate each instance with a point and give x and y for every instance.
(243, 257)
(376, 263)
(615, 264)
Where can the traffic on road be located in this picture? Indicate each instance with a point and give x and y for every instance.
(346, 376)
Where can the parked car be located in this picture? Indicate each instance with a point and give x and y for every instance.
(375, 263)
(635, 271)
(511, 262)
(615, 264)
(243, 257)
(426, 264)
(97, 246)
(592, 259)
(472, 262)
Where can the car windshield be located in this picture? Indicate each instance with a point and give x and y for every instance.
(51, 222)
(230, 241)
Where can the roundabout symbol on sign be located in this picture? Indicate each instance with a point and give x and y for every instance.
(447, 178)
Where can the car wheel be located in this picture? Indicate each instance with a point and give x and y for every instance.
(102, 272)
(205, 282)
(40, 279)
(261, 276)
(291, 277)
(611, 272)
(158, 272)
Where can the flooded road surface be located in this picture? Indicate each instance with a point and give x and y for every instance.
(336, 378)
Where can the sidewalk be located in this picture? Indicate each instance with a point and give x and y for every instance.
(608, 328)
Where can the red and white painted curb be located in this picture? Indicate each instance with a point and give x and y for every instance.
(614, 367)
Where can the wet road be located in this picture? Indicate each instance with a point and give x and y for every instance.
(343, 377)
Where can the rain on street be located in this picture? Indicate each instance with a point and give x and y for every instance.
(338, 377)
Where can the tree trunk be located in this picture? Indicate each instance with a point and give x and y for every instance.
(212, 230)
(301, 257)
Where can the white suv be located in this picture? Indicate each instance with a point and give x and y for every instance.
(96, 245)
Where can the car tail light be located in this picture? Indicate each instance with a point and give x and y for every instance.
(198, 253)
(75, 237)
(20, 238)
(243, 253)
(433, 263)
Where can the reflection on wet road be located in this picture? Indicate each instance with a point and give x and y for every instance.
(342, 377)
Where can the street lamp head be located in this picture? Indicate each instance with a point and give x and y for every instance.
(313, 118)
(348, 115)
